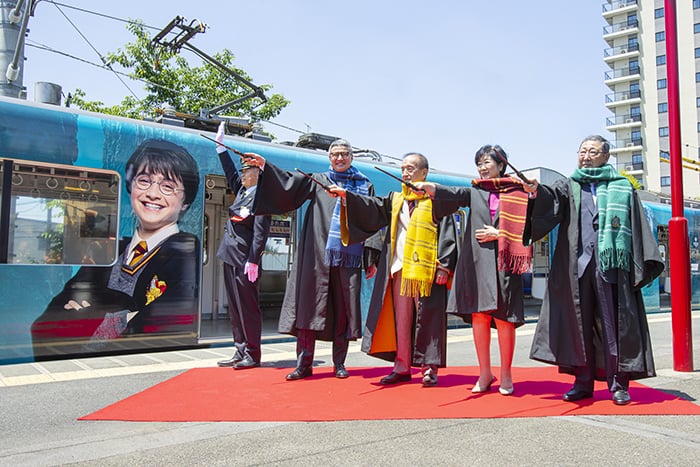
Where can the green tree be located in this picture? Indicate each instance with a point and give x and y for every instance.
(170, 80)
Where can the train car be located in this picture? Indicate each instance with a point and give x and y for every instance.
(66, 215)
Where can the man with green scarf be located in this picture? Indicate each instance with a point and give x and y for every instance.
(593, 323)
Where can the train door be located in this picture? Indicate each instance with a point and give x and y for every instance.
(275, 264)
(213, 314)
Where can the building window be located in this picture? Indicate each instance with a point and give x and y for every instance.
(697, 77)
(696, 28)
(62, 215)
(660, 36)
(697, 52)
(659, 13)
(663, 131)
(664, 155)
(661, 83)
(637, 159)
(663, 107)
(661, 59)
(696, 4)
(697, 102)
(666, 181)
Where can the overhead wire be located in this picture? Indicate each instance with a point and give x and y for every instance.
(107, 66)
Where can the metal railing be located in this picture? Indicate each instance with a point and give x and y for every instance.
(611, 28)
(615, 5)
(622, 96)
(622, 119)
(620, 49)
(626, 143)
(621, 72)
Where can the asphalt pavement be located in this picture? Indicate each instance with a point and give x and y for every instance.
(40, 404)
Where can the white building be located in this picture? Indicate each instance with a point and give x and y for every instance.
(636, 55)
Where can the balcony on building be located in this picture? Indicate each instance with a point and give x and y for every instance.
(617, 122)
(620, 52)
(627, 144)
(621, 29)
(617, 7)
(620, 75)
(623, 98)
(631, 168)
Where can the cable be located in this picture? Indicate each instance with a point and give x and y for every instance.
(128, 21)
(97, 52)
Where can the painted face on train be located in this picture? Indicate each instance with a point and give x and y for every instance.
(488, 167)
(156, 200)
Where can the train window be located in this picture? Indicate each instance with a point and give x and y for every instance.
(58, 214)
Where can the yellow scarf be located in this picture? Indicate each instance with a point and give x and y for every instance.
(420, 251)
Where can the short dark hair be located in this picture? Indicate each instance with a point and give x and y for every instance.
(423, 161)
(490, 150)
(167, 159)
(604, 142)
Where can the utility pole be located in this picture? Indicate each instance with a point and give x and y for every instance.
(678, 225)
(13, 28)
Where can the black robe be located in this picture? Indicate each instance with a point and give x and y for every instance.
(306, 299)
(558, 337)
(366, 215)
(479, 285)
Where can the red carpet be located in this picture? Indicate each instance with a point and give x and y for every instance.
(262, 394)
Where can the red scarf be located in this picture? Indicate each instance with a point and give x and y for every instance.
(513, 256)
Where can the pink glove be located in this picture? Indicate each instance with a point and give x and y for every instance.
(251, 269)
(220, 137)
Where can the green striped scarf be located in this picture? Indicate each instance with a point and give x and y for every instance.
(614, 202)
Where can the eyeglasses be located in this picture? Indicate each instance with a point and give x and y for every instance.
(167, 187)
(339, 155)
(590, 152)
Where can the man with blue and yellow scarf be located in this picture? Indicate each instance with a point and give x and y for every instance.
(406, 321)
(593, 323)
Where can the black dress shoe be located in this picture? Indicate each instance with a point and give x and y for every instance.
(394, 377)
(246, 363)
(577, 395)
(621, 397)
(300, 372)
(231, 361)
(341, 372)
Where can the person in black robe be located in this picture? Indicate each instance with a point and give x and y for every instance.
(406, 323)
(240, 251)
(153, 286)
(322, 298)
(592, 323)
(488, 287)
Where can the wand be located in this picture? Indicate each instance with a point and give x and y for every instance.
(517, 172)
(408, 184)
(235, 151)
(324, 186)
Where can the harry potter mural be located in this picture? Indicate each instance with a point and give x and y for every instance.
(152, 288)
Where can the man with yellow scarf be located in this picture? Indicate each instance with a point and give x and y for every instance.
(406, 322)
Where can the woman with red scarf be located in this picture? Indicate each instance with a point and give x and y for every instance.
(487, 287)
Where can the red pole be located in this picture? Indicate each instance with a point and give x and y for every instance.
(679, 243)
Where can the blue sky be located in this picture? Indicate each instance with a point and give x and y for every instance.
(442, 78)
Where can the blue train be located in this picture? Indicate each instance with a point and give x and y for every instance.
(66, 213)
